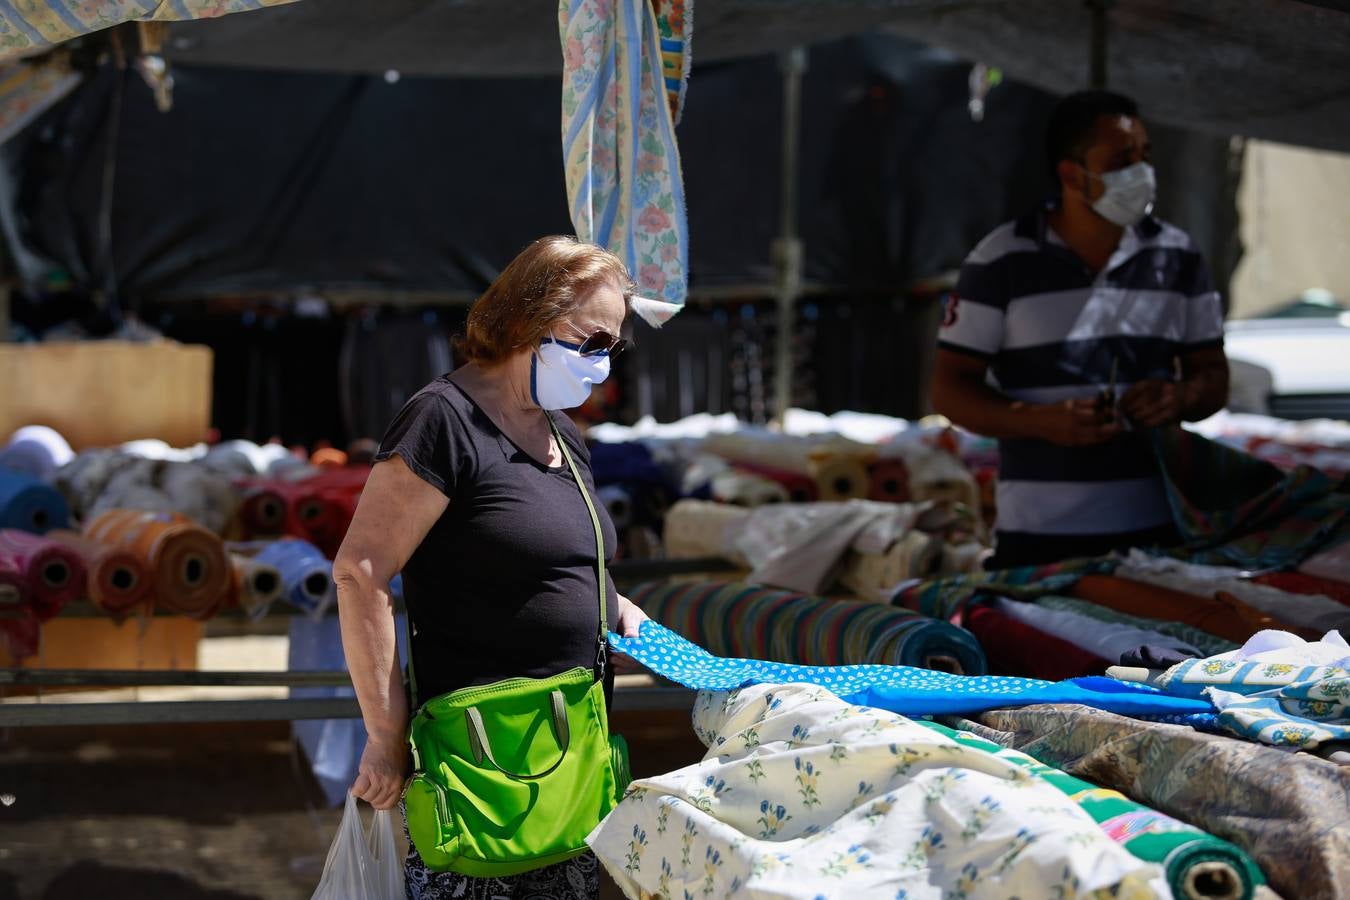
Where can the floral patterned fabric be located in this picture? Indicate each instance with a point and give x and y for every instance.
(26, 28)
(1275, 703)
(1287, 810)
(804, 795)
(622, 166)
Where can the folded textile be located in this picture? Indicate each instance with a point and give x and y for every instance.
(1234, 509)
(1105, 639)
(188, 566)
(1016, 648)
(52, 574)
(902, 689)
(118, 581)
(1203, 641)
(1223, 616)
(1299, 838)
(1197, 865)
(700, 528)
(30, 505)
(743, 488)
(306, 574)
(1291, 703)
(36, 450)
(946, 597)
(1283, 647)
(803, 796)
(738, 619)
(1149, 656)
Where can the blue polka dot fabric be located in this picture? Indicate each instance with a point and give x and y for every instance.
(900, 689)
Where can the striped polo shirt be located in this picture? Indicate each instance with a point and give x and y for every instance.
(1051, 330)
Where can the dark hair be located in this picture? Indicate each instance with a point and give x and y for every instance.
(542, 285)
(1073, 124)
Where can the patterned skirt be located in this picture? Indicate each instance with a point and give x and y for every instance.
(576, 879)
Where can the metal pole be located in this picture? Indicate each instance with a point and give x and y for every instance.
(787, 249)
(1097, 47)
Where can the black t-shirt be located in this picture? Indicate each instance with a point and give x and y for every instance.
(504, 584)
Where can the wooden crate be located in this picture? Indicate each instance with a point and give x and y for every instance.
(98, 393)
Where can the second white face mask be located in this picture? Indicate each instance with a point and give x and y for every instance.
(561, 378)
(1129, 194)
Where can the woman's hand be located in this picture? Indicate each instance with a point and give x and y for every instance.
(381, 774)
(631, 618)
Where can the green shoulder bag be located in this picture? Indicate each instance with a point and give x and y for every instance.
(513, 776)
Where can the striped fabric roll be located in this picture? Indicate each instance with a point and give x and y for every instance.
(751, 621)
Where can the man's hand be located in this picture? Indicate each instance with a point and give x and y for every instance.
(1074, 423)
(1153, 402)
(380, 775)
(631, 618)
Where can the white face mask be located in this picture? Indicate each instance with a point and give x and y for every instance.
(1129, 194)
(561, 378)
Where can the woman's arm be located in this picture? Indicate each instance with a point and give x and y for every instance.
(396, 511)
(631, 617)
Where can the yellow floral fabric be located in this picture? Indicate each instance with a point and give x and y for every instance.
(804, 795)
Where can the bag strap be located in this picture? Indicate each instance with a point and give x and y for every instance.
(603, 638)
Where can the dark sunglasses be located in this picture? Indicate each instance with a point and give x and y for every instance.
(603, 342)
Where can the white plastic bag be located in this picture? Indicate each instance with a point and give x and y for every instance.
(361, 865)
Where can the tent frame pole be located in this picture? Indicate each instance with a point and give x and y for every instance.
(1097, 46)
(787, 248)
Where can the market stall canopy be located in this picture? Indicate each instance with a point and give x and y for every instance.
(1272, 69)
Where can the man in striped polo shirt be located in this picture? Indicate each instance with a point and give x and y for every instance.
(1053, 309)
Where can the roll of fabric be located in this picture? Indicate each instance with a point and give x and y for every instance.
(1304, 584)
(699, 528)
(741, 488)
(1307, 611)
(1332, 563)
(256, 585)
(263, 510)
(839, 477)
(328, 457)
(937, 475)
(618, 502)
(1198, 865)
(964, 557)
(118, 581)
(36, 450)
(1105, 640)
(30, 505)
(800, 488)
(888, 480)
(306, 575)
(1016, 648)
(320, 509)
(189, 569)
(874, 577)
(1208, 644)
(53, 574)
(751, 621)
(1220, 615)
(836, 468)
